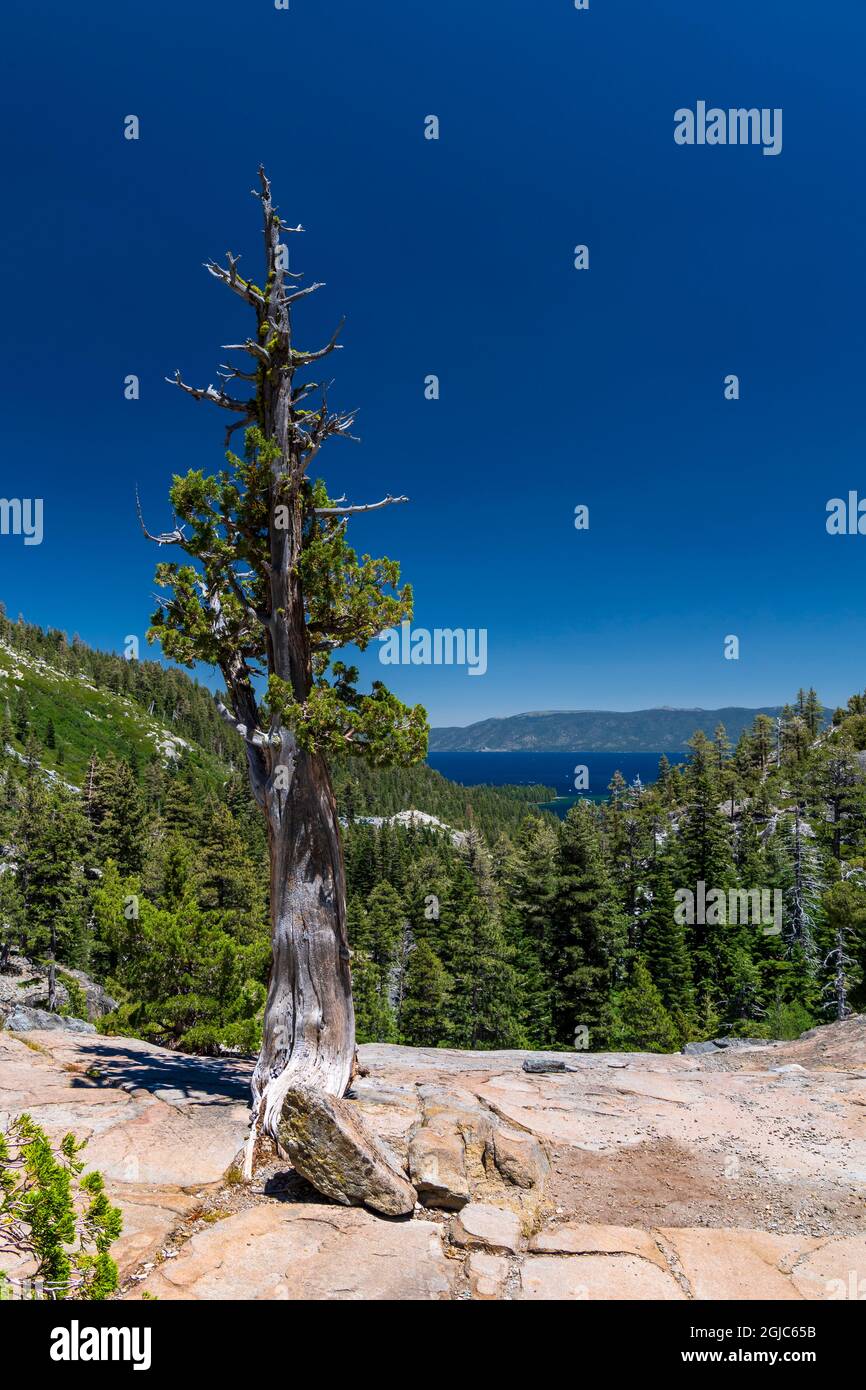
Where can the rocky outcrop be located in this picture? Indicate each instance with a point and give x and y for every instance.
(461, 1150)
(309, 1251)
(161, 1127)
(24, 1020)
(711, 1045)
(22, 983)
(735, 1174)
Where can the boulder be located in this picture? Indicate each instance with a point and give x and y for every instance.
(520, 1157)
(487, 1276)
(328, 1144)
(481, 1225)
(461, 1115)
(438, 1169)
(695, 1049)
(97, 999)
(24, 1020)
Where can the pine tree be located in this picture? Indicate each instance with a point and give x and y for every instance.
(59, 1222)
(50, 848)
(116, 813)
(270, 585)
(21, 715)
(663, 944)
(704, 851)
(484, 1005)
(6, 730)
(838, 793)
(803, 892)
(845, 915)
(643, 1024)
(813, 713)
(230, 886)
(375, 936)
(423, 1020)
(663, 779)
(590, 933)
(530, 888)
(763, 737)
(743, 988)
(11, 917)
(630, 847)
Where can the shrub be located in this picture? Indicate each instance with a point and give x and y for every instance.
(53, 1215)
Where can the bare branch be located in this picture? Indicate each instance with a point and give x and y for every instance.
(252, 347)
(364, 507)
(210, 393)
(238, 425)
(301, 359)
(236, 282)
(300, 393)
(230, 373)
(175, 537)
(299, 294)
(257, 738)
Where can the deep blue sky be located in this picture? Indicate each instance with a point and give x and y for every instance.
(558, 387)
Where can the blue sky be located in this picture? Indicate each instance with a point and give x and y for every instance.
(454, 257)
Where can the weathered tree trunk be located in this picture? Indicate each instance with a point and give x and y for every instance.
(308, 1047)
(309, 1031)
(309, 1028)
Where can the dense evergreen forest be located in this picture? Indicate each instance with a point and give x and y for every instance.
(520, 931)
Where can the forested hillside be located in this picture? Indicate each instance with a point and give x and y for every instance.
(594, 731)
(132, 850)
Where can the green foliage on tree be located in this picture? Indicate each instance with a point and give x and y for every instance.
(425, 1002)
(114, 808)
(182, 979)
(664, 945)
(51, 890)
(483, 1009)
(375, 931)
(589, 933)
(642, 1023)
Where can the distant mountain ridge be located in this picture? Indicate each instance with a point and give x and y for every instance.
(595, 731)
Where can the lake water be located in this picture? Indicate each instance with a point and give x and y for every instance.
(551, 769)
